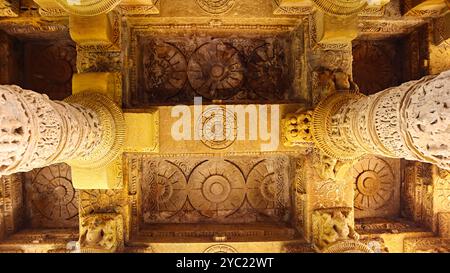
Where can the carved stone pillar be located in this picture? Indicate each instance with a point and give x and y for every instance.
(410, 121)
(36, 131)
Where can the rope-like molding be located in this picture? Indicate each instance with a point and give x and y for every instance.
(322, 124)
(341, 7)
(89, 7)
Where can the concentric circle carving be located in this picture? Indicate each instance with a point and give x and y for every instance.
(216, 6)
(374, 183)
(88, 7)
(341, 7)
(53, 195)
(101, 201)
(167, 188)
(220, 249)
(262, 187)
(217, 188)
(348, 246)
(267, 71)
(164, 70)
(219, 127)
(215, 70)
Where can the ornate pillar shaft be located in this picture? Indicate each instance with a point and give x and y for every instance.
(36, 131)
(411, 121)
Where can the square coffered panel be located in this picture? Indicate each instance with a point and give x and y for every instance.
(230, 190)
(225, 67)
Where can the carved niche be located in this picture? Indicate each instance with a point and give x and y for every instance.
(208, 190)
(51, 200)
(417, 194)
(383, 63)
(234, 69)
(11, 204)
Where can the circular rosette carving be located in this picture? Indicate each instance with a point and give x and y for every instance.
(215, 70)
(220, 249)
(101, 201)
(374, 183)
(267, 72)
(348, 246)
(216, 6)
(88, 7)
(164, 70)
(262, 189)
(341, 7)
(216, 188)
(53, 195)
(218, 127)
(164, 190)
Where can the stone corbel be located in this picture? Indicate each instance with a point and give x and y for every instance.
(99, 32)
(9, 8)
(101, 233)
(139, 7)
(332, 225)
(333, 29)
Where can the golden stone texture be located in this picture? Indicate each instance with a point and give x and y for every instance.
(336, 182)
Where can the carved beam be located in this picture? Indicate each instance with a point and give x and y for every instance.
(410, 121)
(139, 7)
(87, 130)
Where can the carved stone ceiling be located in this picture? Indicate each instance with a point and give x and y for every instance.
(232, 68)
(207, 190)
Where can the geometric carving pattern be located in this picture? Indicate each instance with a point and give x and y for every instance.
(215, 70)
(376, 186)
(220, 249)
(238, 69)
(101, 201)
(341, 7)
(230, 190)
(216, 6)
(51, 198)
